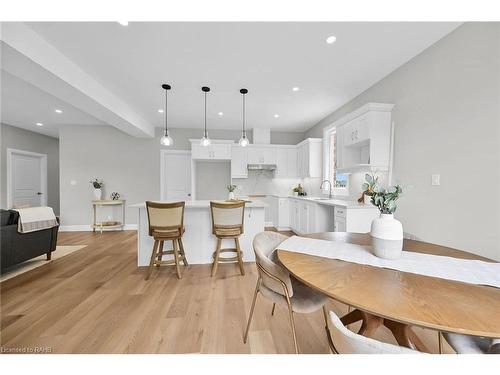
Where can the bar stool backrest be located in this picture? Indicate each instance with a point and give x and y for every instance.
(165, 217)
(227, 217)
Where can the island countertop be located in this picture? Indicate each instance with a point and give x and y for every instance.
(205, 204)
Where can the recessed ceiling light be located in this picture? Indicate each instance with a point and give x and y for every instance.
(39, 124)
(58, 111)
(161, 110)
(331, 39)
(295, 89)
(276, 115)
(220, 114)
(123, 23)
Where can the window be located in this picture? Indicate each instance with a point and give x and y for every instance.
(339, 181)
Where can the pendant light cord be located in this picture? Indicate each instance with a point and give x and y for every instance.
(166, 112)
(205, 114)
(244, 134)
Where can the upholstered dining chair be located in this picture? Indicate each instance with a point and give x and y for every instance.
(344, 341)
(228, 223)
(464, 344)
(277, 285)
(166, 223)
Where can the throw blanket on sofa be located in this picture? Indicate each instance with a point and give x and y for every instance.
(35, 218)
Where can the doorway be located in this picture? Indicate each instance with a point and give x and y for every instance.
(175, 177)
(26, 179)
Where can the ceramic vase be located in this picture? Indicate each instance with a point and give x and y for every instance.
(97, 194)
(231, 195)
(367, 199)
(387, 237)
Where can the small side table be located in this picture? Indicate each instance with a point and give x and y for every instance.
(108, 224)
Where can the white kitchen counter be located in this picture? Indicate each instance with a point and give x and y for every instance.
(336, 202)
(199, 242)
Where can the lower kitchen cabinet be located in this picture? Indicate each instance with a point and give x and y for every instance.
(354, 220)
(310, 217)
(279, 208)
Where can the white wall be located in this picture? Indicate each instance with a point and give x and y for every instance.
(21, 139)
(128, 165)
(447, 121)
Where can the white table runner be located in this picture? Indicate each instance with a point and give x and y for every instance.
(465, 270)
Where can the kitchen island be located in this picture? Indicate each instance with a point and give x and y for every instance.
(199, 242)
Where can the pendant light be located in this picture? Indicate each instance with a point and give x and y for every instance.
(205, 141)
(166, 140)
(243, 140)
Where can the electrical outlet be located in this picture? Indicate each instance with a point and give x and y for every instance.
(109, 217)
(435, 180)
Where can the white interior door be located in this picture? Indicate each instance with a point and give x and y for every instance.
(175, 175)
(27, 176)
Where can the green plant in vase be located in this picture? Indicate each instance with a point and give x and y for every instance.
(231, 189)
(369, 187)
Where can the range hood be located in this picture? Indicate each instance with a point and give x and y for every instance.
(262, 167)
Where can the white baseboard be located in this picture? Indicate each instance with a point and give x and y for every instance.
(88, 228)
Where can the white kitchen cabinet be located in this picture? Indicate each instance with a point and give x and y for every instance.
(310, 157)
(307, 216)
(294, 215)
(261, 154)
(218, 150)
(363, 139)
(286, 162)
(279, 212)
(339, 224)
(354, 220)
(239, 162)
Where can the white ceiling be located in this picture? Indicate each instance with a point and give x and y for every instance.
(267, 58)
(23, 105)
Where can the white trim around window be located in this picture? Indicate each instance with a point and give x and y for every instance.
(327, 133)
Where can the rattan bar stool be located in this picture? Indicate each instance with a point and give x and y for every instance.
(227, 223)
(166, 223)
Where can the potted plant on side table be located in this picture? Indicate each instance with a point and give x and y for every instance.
(387, 232)
(97, 184)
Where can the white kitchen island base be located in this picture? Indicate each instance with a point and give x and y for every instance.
(199, 242)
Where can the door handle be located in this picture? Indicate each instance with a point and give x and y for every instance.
(189, 194)
(39, 193)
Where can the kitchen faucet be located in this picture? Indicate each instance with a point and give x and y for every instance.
(330, 184)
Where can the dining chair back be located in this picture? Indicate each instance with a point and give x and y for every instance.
(344, 341)
(264, 245)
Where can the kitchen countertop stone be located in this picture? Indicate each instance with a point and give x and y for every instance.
(336, 202)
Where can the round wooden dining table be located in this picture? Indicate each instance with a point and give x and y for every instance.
(399, 300)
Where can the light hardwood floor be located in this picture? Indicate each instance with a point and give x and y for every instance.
(97, 301)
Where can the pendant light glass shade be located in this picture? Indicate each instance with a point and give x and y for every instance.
(205, 141)
(243, 140)
(166, 140)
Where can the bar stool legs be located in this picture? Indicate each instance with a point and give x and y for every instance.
(158, 253)
(237, 258)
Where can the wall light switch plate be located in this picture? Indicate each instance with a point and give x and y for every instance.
(435, 180)
(72, 182)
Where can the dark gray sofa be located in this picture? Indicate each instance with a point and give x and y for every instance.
(16, 247)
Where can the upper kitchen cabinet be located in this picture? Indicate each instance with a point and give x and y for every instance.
(364, 139)
(309, 157)
(261, 154)
(286, 162)
(239, 156)
(218, 150)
